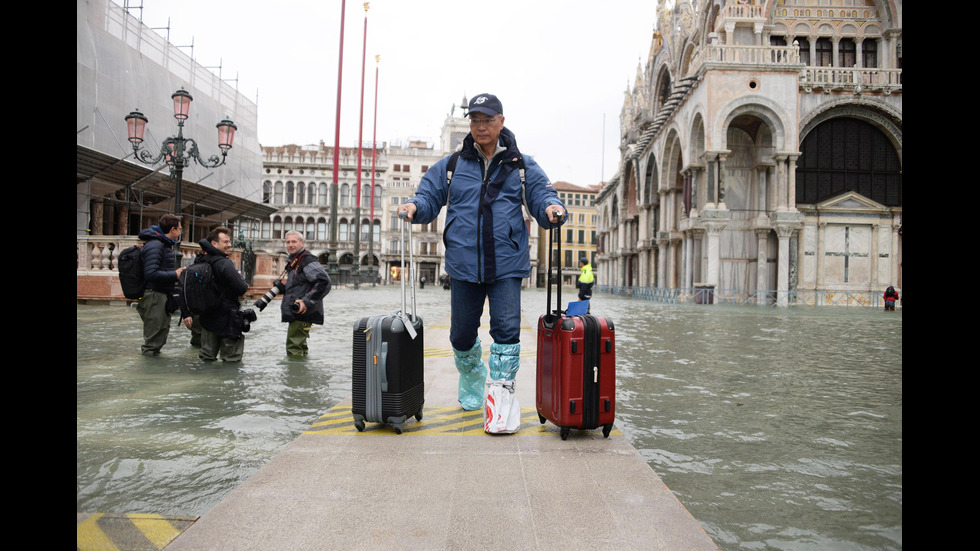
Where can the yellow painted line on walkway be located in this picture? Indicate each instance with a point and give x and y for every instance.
(128, 532)
(88, 535)
(155, 528)
(435, 420)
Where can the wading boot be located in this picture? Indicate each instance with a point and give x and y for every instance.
(503, 412)
(472, 376)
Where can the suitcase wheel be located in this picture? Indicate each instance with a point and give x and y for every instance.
(605, 430)
(359, 424)
(541, 418)
(564, 432)
(418, 416)
(398, 429)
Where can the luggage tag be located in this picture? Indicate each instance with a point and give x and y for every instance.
(407, 321)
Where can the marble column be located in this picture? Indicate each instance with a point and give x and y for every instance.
(784, 233)
(779, 182)
(875, 284)
(697, 246)
(791, 182)
(821, 252)
(98, 216)
(714, 230)
(721, 180)
(762, 269)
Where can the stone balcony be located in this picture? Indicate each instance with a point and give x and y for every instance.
(855, 79)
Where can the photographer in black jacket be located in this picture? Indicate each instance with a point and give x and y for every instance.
(306, 285)
(221, 330)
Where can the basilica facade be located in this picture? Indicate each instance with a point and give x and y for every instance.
(761, 154)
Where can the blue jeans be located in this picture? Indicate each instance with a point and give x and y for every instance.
(467, 307)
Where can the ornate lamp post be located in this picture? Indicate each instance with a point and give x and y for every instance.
(178, 151)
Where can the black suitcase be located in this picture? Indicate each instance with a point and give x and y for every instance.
(388, 383)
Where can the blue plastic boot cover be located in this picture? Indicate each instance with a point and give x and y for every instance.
(505, 360)
(472, 376)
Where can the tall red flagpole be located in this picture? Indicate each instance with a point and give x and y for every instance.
(360, 144)
(374, 156)
(333, 267)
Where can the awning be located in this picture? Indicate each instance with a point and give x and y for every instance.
(154, 190)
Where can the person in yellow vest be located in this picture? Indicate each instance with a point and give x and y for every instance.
(585, 280)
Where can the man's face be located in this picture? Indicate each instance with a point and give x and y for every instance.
(486, 130)
(293, 244)
(224, 243)
(175, 231)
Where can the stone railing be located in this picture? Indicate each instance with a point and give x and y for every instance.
(855, 78)
(97, 255)
(97, 270)
(742, 12)
(745, 55)
(708, 294)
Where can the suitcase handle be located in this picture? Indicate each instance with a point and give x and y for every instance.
(551, 317)
(408, 272)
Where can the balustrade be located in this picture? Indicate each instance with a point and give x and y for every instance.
(825, 298)
(811, 77)
(843, 77)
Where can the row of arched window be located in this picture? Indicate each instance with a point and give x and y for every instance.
(316, 194)
(316, 228)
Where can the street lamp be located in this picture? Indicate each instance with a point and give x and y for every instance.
(178, 151)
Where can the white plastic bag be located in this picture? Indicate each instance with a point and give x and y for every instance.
(503, 413)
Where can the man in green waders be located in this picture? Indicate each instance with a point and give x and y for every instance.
(306, 285)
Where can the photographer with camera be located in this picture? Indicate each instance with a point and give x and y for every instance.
(222, 327)
(302, 302)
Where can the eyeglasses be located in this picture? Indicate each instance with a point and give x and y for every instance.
(482, 122)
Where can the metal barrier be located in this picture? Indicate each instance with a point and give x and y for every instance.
(742, 297)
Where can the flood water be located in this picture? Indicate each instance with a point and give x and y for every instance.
(776, 428)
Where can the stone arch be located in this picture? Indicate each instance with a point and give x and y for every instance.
(651, 180)
(670, 172)
(765, 109)
(697, 140)
(631, 195)
(696, 149)
(876, 113)
(662, 88)
(848, 154)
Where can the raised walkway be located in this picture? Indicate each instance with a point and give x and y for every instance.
(445, 484)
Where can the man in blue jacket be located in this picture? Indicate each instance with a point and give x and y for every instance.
(486, 240)
(161, 276)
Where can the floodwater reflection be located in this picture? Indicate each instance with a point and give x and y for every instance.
(776, 428)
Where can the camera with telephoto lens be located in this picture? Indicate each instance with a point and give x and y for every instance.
(247, 316)
(277, 288)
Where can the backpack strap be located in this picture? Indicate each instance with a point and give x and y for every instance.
(451, 167)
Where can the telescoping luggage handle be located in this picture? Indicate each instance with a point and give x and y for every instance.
(553, 316)
(407, 274)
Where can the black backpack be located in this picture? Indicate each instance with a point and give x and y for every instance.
(198, 289)
(130, 264)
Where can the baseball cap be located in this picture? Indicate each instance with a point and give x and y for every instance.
(488, 104)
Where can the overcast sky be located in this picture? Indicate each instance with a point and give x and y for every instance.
(560, 68)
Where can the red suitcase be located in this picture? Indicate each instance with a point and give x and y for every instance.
(576, 367)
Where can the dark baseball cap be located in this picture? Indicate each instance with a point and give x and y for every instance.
(488, 104)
